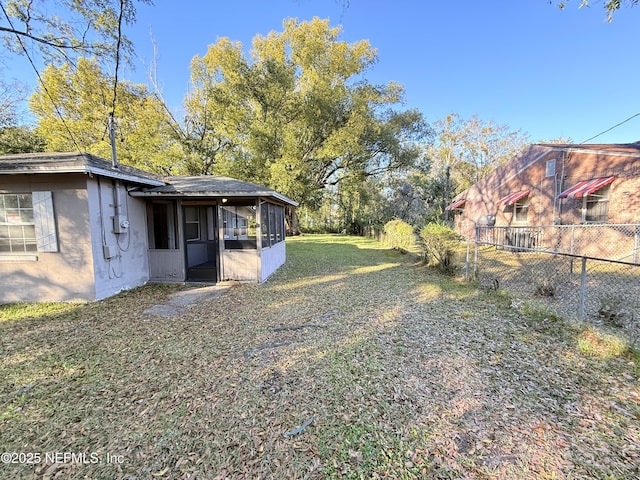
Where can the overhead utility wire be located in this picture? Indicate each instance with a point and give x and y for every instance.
(112, 114)
(44, 87)
(609, 129)
(118, 44)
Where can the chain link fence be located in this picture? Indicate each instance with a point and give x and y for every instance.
(578, 272)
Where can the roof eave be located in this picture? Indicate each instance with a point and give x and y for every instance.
(284, 199)
(124, 176)
(596, 151)
(236, 194)
(86, 169)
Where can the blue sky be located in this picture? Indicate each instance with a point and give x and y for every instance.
(524, 63)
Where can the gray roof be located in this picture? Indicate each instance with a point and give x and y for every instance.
(73, 163)
(149, 184)
(210, 186)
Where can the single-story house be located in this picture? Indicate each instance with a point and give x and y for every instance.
(75, 227)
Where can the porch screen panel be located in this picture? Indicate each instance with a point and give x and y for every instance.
(279, 224)
(264, 225)
(162, 226)
(273, 224)
(239, 226)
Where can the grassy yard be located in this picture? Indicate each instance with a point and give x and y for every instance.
(353, 362)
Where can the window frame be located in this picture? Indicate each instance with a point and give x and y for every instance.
(521, 208)
(197, 222)
(599, 197)
(550, 168)
(35, 214)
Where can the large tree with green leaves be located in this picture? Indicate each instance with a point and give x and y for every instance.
(15, 138)
(20, 139)
(72, 107)
(465, 150)
(297, 114)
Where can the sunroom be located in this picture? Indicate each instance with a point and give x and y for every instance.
(209, 229)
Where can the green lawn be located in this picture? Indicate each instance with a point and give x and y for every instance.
(396, 371)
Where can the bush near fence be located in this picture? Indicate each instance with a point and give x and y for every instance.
(400, 235)
(440, 243)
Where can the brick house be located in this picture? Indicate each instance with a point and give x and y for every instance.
(555, 184)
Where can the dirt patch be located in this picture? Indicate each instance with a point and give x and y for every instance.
(179, 302)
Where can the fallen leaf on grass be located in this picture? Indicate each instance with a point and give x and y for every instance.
(161, 472)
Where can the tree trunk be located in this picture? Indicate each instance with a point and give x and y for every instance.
(447, 193)
(291, 221)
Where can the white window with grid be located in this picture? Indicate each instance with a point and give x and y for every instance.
(27, 223)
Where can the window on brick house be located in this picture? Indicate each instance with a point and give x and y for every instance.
(520, 209)
(551, 168)
(595, 206)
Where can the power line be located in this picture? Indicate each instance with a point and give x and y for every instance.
(44, 87)
(611, 128)
(112, 114)
(118, 44)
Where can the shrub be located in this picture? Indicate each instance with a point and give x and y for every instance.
(440, 243)
(400, 234)
(597, 344)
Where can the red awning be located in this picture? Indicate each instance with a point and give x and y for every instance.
(513, 197)
(456, 204)
(586, 187)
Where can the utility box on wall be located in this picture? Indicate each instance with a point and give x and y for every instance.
(120, 224)
(109, 251)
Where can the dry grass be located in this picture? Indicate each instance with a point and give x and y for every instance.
(553, 282)
(396, 371)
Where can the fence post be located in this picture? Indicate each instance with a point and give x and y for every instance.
(636, 244)
(466, 263)
(475, 255)
(583, 288)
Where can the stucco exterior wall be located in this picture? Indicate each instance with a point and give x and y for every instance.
(166, 265)
(64, 275)
(271, 259)
(241, 265)
(125, 264)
